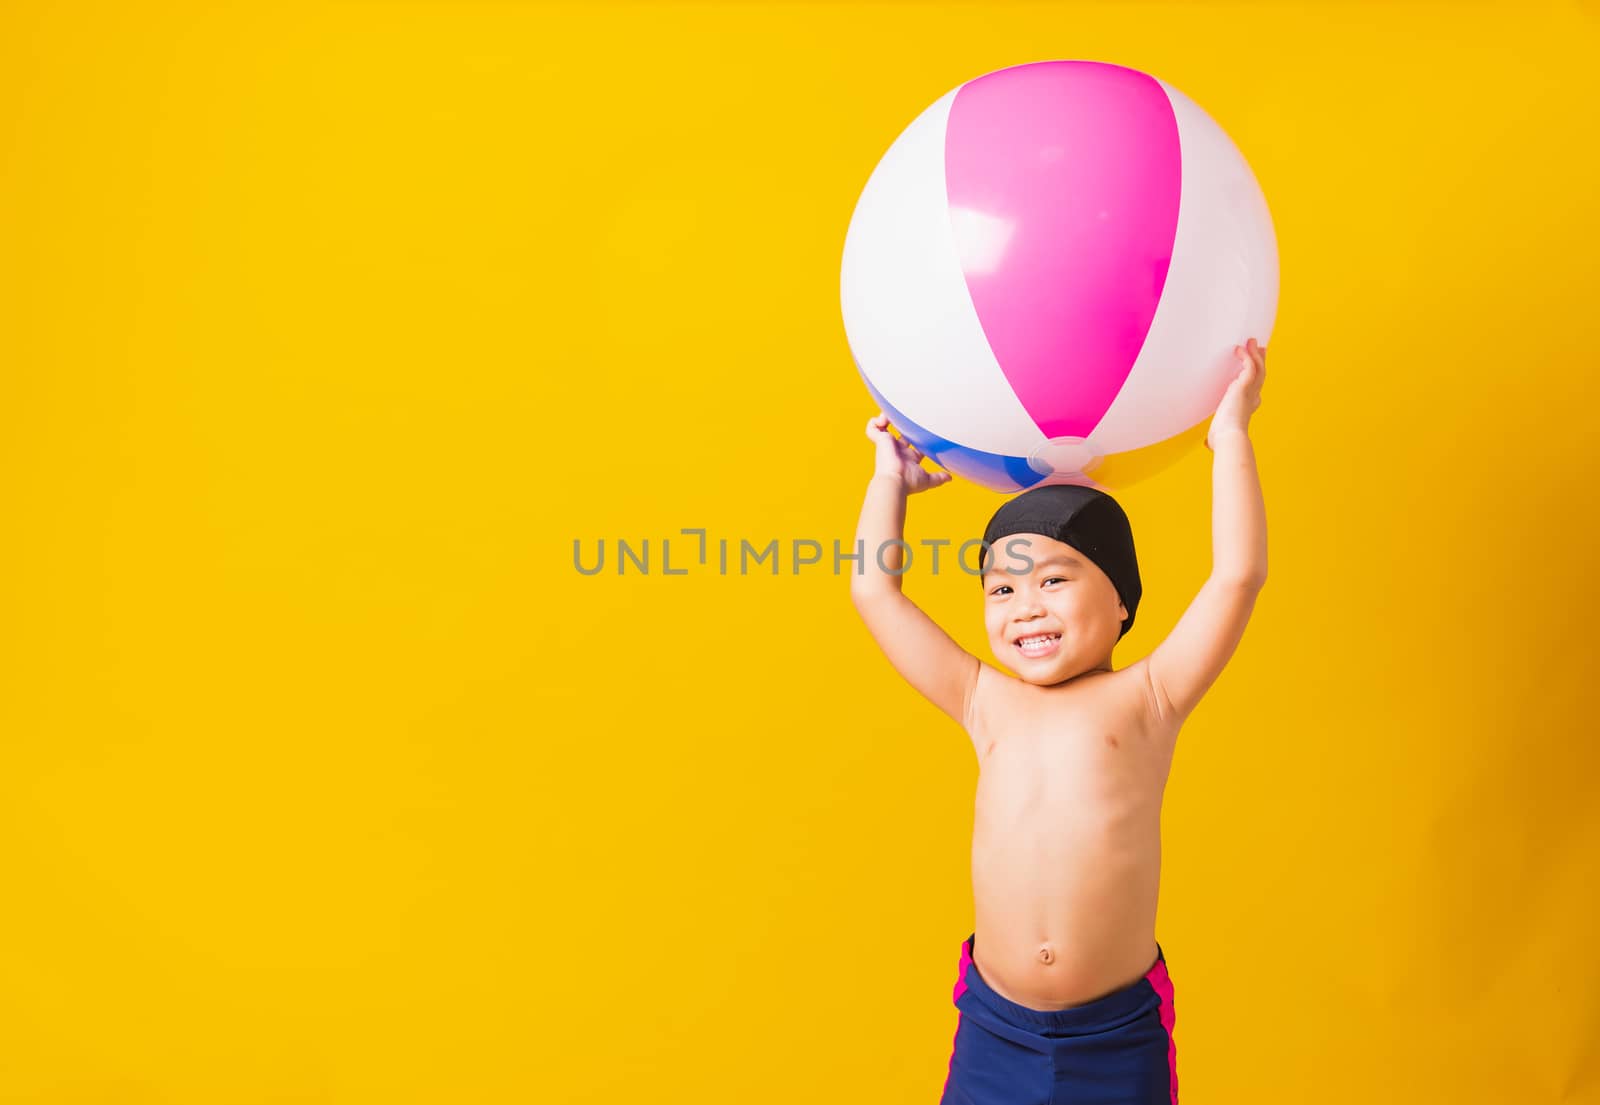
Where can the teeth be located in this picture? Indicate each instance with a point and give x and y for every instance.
(1040, 640)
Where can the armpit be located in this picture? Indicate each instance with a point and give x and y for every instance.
(1157, 708)
(990, 682)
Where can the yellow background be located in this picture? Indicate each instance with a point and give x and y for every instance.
(325, 329)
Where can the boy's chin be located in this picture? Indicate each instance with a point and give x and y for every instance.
(1046, 678)
(1042, 674)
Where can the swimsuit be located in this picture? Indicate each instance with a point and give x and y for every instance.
(1114, 1050)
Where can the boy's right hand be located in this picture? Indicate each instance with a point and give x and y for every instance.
(901, 460)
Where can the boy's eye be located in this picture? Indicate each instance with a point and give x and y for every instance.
(1052, 579)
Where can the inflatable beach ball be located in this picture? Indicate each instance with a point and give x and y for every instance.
(1047, 272)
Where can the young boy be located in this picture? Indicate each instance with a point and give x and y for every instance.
(1070, 1000)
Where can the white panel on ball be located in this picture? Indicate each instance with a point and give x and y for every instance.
(1209, 303)
(911, 324)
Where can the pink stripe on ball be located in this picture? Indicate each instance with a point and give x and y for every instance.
(1063, 180)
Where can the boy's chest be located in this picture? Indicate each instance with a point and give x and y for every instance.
(1097, 774)
(1108, 723)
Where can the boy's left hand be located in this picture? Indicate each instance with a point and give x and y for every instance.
(1244, 393)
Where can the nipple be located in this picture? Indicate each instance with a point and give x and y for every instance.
(1046, 955)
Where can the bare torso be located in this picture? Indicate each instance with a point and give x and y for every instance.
(1066, 841)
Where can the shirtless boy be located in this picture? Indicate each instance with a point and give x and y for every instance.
(1069, 999)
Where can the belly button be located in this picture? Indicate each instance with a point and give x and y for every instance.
(1046, 955)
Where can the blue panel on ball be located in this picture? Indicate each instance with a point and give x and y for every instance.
(991, 470)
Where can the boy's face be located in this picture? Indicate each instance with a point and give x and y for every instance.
(1037, 586)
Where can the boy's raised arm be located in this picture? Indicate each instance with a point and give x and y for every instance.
(924, 654)
(1185, 665)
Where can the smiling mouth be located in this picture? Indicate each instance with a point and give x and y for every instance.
(1041, 644)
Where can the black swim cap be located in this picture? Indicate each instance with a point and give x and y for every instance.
(1090, 521)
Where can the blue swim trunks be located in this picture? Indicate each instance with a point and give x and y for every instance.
(1114, 1050)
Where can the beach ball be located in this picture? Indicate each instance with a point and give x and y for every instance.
(1046, 273)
